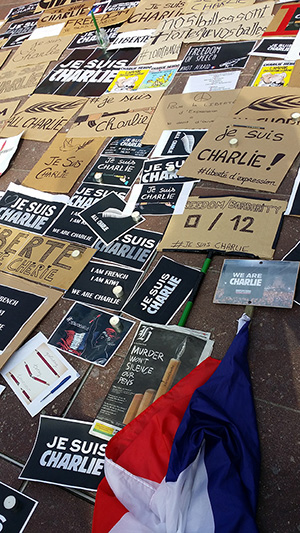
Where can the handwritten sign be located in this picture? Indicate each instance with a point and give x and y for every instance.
(21, 81)
(38, 51)
(64, 13)
(85, 24)
(147, 15)
(203, 5)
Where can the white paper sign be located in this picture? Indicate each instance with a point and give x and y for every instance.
(221, 81)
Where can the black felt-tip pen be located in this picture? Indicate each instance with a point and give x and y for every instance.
(57, 387)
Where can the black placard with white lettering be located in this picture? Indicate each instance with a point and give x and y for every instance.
(107, 227)
(162, 170)
(216, 56)
(66, 454)
(90, 37)
(133, 249)
(88, 194)
(163, 292)
(16, 28)
(70, 227)
(130, 146)
(274, 47)
(181, 142)
(95, 285)
(22, 11)
(16, 308)
(26, 212)
(15, 518)
(86, 72)
(112, 170)
(15, 40)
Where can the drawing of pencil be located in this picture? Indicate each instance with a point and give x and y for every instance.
(132, 409)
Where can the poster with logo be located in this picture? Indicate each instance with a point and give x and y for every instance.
(128, 146)
(114, 170)
(216, 56)
(274, 74)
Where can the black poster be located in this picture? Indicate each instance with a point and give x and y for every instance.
(216, 56)
(88, 194)
(22, 11)
(86, 72)
(106, 220)
(15, 40)
(130, 146)
(70, 227)
(178, 142)
(165, 169)
(15, 509)
(23, 211)
(133, 249)
(87, 333)
(294, 255)
(66, 454)
(116, 170)
(16, 307)
(90, 38)
(16, 28)
(96, 284)
(273, 47)
(163, 292)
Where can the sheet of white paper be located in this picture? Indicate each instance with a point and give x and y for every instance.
(293, 194)
(46, 31)
(2, 388)
(217, 81)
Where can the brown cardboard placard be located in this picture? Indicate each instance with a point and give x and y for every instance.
(116, 115)
(294, 80)
(42, 116)
(147, 15)
(63, 162)
(268, 104)
(51, 296)
(36, 51)
(164, 51)
(55, 15)
(188, 111)
(285, 23)
(3, 55)
(85, 24)
(241, 154)
(202, 5)
(40, 258)
(242, 225)
(15, 82)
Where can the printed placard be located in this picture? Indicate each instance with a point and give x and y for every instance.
(131, 39)
(191, 110)
(216, 56)
(39, 51)
(267, 104)
(88, 194)
(96, 282)
(42, 117)
(285, 22)
(21, 81)
(84, 24)
(273, 47)
(26, 26)
(107, 218)
(214, 81)
(274, 74)
(41, 259)
(133, 249)
(65, 454)
(22, 11)
(177, 142)
(27, 209)
(15, 40)
(68, 225)
(58, 14)
(259, 159)
(163, 292)
(38, 374)
(114, 170)
(87, 333)
(61, 165)
(128, 146)
(89, 38)
(165, 169)
(157, 199)
(242, 225)
(258, 283)
(9, 518)
(23, 305)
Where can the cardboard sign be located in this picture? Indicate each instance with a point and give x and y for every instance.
(260, 158)
(116, 170)
(163, 292)
(274, 74)
(133, 249)
(42, 117)
(216, 56)
(128, 146)
(48, 4)
(242, 225)
(71, 227)
(148, 16)
(285, 22)
(294, 79)
(41, 259)
(6, 110)
(25, 506)
(88, 194)
(131, 39)
(23, 305)
(267, 104)
(258, 283)
(28, 209)
(63, 162)
(203, 5)
(84, 24)
(86, 72)
(3, 56)
(165, 169)
(154, 53)
(273, 47)
(58, 14)
(22, 11)
(191, 110)
(177, 142)
(96, 282)
(37, 374)
(65, 454)
(39, 51)
(87, 333)
(294, 255)
(107, 220)
(116, 114)
(16, 82)
(17, 28)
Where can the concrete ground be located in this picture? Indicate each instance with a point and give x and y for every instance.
(273, 358)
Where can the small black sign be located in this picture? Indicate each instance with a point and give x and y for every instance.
(130, 146)
(22, 11)
(273, 47)
(15, 40)
(70, 227)
(116, 170)
(88, 194)
(16, 28)
(15, 509)
(165, 169)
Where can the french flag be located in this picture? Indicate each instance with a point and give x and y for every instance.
(190, 462)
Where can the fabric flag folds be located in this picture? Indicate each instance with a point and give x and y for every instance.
(190, 462)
